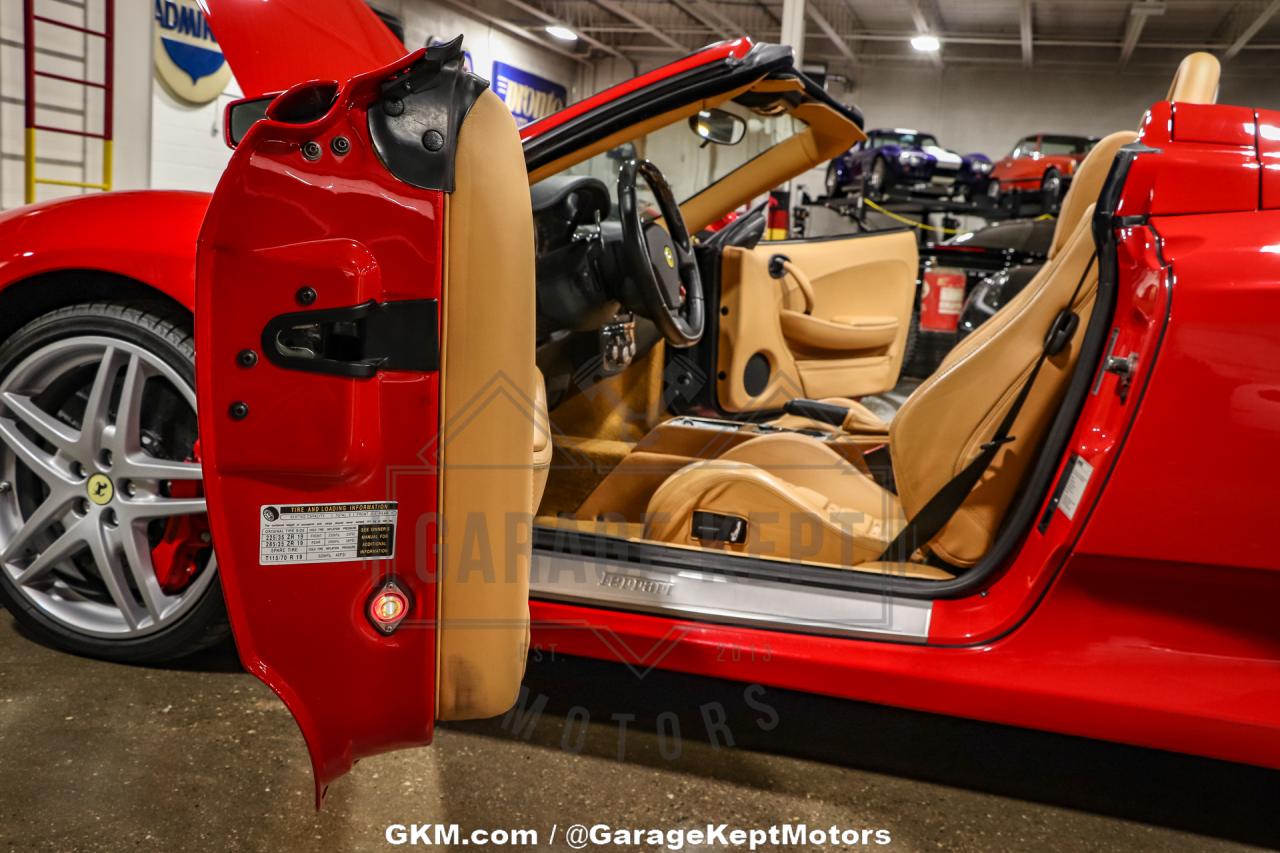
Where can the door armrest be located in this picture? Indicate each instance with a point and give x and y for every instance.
(838, 334)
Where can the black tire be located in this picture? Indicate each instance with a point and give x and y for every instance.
(877, 193)
(832, 183)
(1050, 190)
(166, 332)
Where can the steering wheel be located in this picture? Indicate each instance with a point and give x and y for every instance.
(661, 260)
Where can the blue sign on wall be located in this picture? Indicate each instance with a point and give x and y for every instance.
(528, 96)
(186, 55)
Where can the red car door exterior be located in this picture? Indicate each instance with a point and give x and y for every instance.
(347, 256)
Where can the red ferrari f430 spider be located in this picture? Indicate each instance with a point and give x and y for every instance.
(463, 387)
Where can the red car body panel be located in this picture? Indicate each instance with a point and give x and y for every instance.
(1269, 155)
(340, 226)
(1117, 650)
(147, 236)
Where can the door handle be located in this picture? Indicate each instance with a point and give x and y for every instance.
(356, 341)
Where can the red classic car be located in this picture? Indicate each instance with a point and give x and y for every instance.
(1042, 163)
(462, 388)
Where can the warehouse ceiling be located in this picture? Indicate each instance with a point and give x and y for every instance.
(850, 35)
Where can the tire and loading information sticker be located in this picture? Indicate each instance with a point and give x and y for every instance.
(1073, 490)
(326, 533)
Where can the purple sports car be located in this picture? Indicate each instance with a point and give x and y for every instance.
(909, 160)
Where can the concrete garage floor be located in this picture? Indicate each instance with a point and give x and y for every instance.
(95, 756)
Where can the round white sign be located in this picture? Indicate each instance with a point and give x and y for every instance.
(188, 60)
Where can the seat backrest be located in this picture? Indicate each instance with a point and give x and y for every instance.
(1083, 192)
(1196, 80)
(1086, 185)
(943, 424)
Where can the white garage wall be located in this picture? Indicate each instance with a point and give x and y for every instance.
(186, 141)
(988, 109)
(187, 150)
(487, 44)
(163, 143)
(972, 109)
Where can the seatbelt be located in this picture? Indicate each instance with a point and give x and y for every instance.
(935, 514)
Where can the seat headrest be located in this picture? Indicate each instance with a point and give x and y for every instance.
(1196, 80)
(1086, 186)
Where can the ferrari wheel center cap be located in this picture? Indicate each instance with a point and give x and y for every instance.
(101, 489)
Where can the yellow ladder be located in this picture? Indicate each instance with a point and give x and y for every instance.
(31, 74)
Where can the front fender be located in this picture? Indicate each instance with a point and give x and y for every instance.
(147, 235)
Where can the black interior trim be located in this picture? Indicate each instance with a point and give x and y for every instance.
(854, 235)
(437, 94)
(635, 107)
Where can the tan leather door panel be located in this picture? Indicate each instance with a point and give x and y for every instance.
(848, 344)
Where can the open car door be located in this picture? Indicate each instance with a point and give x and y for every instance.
(369, 402)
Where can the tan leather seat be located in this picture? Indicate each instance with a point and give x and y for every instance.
(779, 484)
(1194, 82)
(942, 425)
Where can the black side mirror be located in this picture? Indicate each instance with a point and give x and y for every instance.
(306, 102)
(718, 126)
(241, 115)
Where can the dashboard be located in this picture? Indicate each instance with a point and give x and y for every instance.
(576, 263)
(587, 325)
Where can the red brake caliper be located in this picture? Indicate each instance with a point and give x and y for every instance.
(186, 537)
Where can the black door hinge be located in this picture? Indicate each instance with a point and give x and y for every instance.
(357, 341)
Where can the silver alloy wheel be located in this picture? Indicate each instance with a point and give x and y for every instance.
(103, 490)
(833, 182)
(993, 189)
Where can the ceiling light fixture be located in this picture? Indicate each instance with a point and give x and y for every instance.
(562, 33)
(926, 43)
